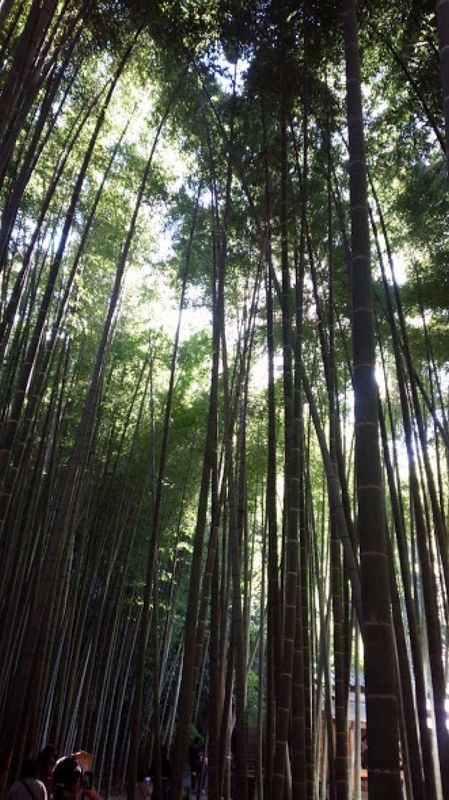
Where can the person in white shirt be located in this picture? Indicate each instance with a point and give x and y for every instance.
(28, 787)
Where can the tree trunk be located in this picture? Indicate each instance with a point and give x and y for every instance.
(443, 30)
(380, 674)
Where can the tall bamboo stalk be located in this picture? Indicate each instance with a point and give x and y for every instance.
(380, 677)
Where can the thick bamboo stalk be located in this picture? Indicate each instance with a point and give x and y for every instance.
(380, 677)
(443, 31)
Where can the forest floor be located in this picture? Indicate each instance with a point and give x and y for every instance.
(189, 795)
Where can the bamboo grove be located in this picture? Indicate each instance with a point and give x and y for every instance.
(224, 438)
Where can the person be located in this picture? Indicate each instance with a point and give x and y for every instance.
(144, 789)
(195, 753)
(68, 781)
(204, 775)
(165, 771)
(46, 761)
(28, 787)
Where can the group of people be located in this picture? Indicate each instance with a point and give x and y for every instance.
(69, 778)
(197, 768)
(49, 778)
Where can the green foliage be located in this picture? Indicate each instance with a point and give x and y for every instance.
(252, 703)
